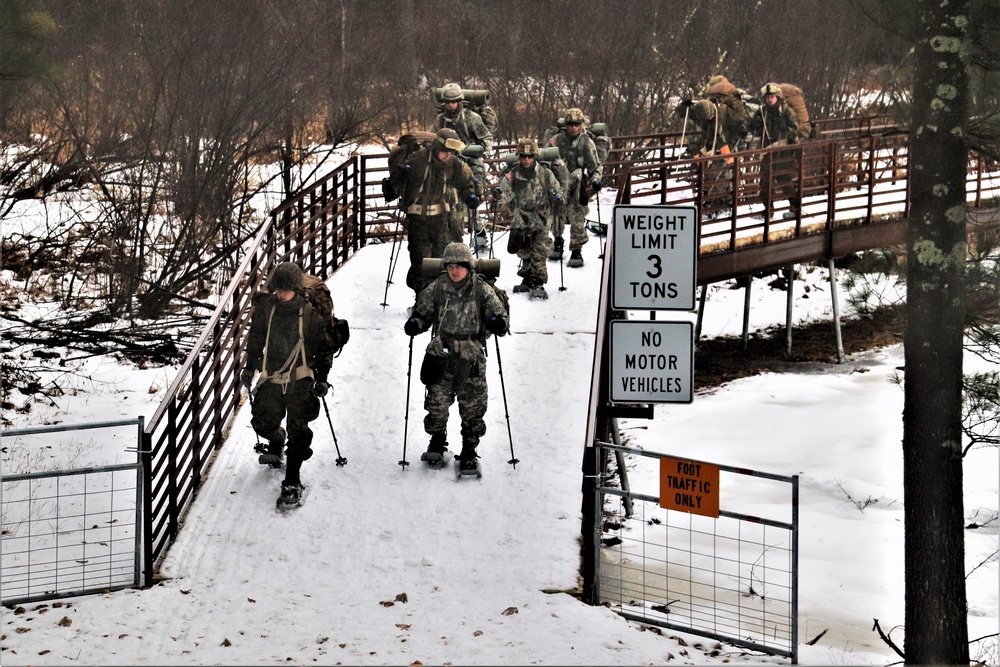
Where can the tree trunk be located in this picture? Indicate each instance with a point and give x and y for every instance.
(936, 608)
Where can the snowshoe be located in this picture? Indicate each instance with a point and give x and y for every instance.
(538, 292)
(436, 459)
(575, 260)
(599, 228)
(790, 215)
(271, 460)
(291, 496)
(523, 287)
(467, 465)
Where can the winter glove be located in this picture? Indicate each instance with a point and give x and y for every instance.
(320, 389)
(246, 378)
(412, 327)
(596, 186)
(496, 325)
(472, 201)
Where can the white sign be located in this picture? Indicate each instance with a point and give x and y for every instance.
(655, 257)
(652, 362)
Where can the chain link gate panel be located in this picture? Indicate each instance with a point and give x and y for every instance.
(733, 578)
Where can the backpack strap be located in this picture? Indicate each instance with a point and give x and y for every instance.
(288, 372)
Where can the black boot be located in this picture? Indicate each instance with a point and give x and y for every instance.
(557, 249)
(274, 452)
(467, 459)
(524, 286)
(438, 443)
(435, 454)
(575, 259)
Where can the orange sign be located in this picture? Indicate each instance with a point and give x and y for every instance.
(689, 486)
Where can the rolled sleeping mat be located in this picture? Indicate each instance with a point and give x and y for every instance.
(476, 97)
(432, 266)
(473, 151)
(547, 154)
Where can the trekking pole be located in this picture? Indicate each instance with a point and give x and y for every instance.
(562, 287)
(506, 413)
(406, 418)
(341, 461)
(259, 447)
(392, 266)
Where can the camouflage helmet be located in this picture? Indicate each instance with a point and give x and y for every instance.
(447, 140)
(458, 253)
(771, 89)
(527, 147)
(286, 276)
(573, 116)
(452, 92)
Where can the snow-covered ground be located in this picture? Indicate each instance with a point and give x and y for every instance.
(386, 565)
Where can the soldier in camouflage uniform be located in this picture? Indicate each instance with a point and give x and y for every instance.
(430, 177)
(777, 124)
(534, 196)
(290, 344)
(461, 310)
(471, 129)
(579, 153)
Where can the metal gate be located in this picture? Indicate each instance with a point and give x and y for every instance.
(732, 578)
(70, 532)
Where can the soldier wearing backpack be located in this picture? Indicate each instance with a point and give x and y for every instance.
(291, 344)
(431, 178)
(472, 130)
(777, 124)
(579, 152)
(532, 193)
(461, 309)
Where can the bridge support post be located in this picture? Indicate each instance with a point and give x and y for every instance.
(836, 312)
(789, 299)
(746, 310)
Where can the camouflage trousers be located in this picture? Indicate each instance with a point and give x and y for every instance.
(534, 249)
(298, 406)
(425, 237)
(577, 214)
(472, 399)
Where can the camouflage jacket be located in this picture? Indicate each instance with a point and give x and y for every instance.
(427, 181)
(579, 153)
(469, 125)
(775, 124)
(284, 336)
(530, 191)
(458, 311)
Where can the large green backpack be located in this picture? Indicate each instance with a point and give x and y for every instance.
(320, 301)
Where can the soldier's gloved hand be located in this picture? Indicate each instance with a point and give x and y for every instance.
(320, 389)
(496, 325)
(246, 378)
(412, 327)
(472, 201)
(596, 185)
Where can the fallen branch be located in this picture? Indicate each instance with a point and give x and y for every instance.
(888, 641)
